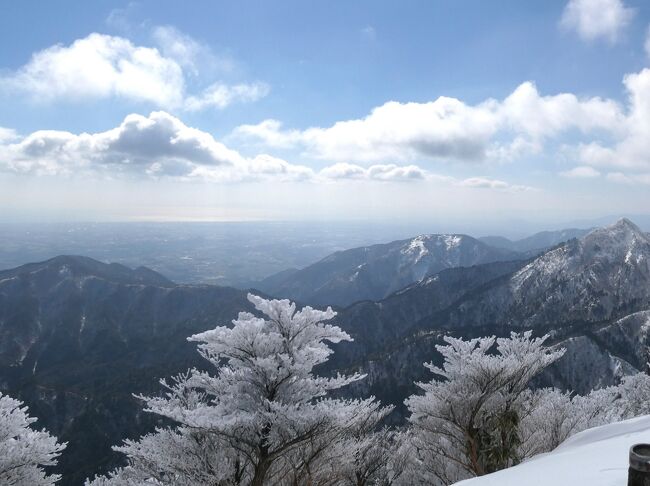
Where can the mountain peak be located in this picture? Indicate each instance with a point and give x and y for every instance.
(623, 231)
(626, 225)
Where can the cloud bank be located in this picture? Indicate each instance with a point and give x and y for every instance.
(161, 146)
(599, 134)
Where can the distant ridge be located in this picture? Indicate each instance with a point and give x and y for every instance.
(79, 266)
(374, 272)
(537, 242)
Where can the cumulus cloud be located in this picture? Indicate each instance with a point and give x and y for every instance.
(447, 128)
(593, 19)
(158, 145)
(631, 149)
(103, 66)
(581, 172)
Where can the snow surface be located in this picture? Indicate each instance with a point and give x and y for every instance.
(595, 457)
(417, 247)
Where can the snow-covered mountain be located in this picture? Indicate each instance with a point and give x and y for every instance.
(374, 272)
(591, 294)
(594, 457)
(601, 276)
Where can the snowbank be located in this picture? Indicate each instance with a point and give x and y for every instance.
(595, 457)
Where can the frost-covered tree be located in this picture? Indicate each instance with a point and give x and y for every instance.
(360, 454)
(24, 451)
(632, 396)
(263, 417)
(371, 456)
(469, 423)
(554, 415)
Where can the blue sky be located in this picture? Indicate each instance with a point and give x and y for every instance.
(337, 110)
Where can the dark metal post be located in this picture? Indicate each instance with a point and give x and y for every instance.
(639, 472)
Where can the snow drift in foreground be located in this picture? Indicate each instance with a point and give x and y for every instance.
(595, 457)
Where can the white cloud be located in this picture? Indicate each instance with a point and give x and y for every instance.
(221, 95)
(379, 172)
(100, 66)
(192, 55)
(180, 47)
(121, 19)
(488, 183)
(447, 128)
(581, 172)
(631, 150)
(103, 66)
(271, 133)
(538, 117)
(630, 179)
(593, 19)
(394, 173)
(7, 134)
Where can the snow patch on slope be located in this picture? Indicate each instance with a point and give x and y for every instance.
(417, 248)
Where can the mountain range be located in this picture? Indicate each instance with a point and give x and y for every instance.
(374, 272)
(591, 295)
(78, 337)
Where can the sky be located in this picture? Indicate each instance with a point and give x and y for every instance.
(431, 110)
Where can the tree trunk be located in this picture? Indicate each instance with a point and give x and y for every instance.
(264, 461)
(473, 453)
(259, 474)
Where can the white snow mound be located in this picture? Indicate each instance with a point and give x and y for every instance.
(595, 457)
